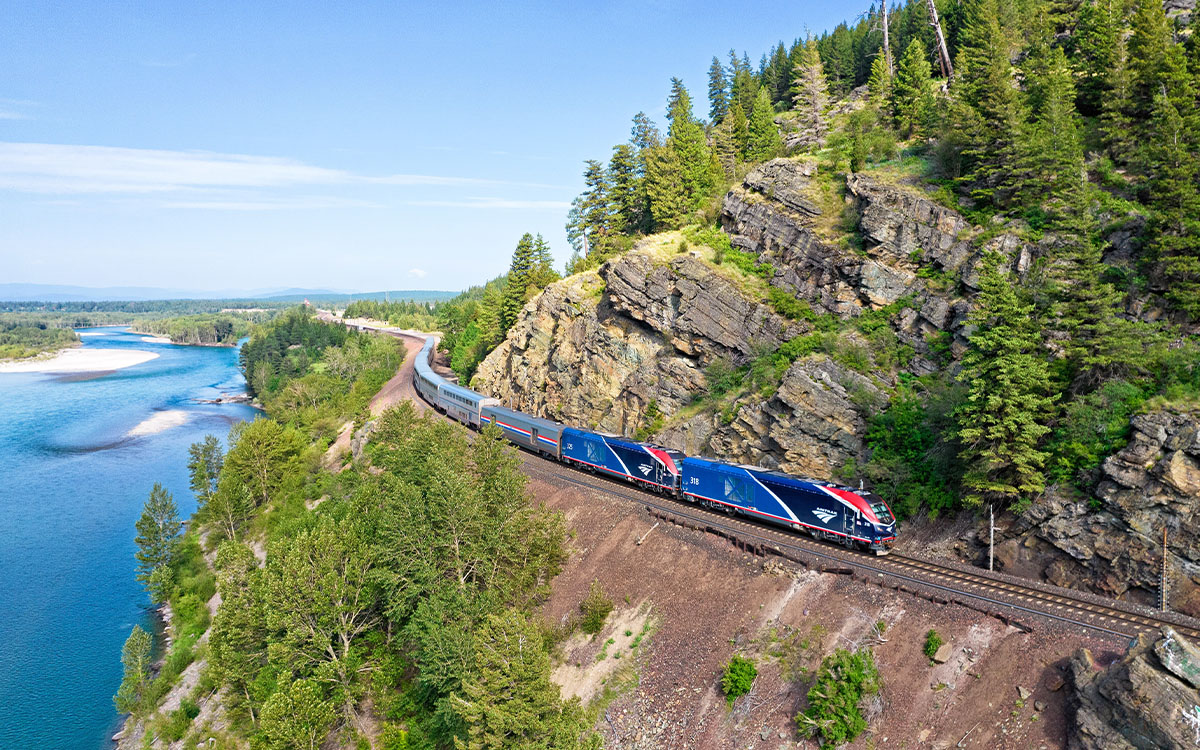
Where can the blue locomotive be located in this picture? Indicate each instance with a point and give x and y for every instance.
(854, 518)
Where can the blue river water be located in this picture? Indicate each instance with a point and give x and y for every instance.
(78, 456)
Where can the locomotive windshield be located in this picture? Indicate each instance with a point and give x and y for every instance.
(881, 512)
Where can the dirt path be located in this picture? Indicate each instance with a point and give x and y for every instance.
(399, 388)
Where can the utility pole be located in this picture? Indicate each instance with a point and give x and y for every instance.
(991, 537)
(1164, 581)
(943, 53)
(887, 46)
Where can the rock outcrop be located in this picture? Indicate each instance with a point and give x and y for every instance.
(1147, 700)
(597, 348)
(1151, 485)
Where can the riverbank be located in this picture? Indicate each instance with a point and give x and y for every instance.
(157, 338)
(79, 359)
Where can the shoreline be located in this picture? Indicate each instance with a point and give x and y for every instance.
(160, 339)
(77, 359)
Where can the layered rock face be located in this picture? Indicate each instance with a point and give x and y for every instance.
(1151, 485)
(1147, 700)
(595, 349)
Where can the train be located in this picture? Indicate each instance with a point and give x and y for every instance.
(855, 518)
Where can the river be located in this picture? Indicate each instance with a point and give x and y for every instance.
(78, 456)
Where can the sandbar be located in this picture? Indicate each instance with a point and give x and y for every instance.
(159, 421)
(156, 340)
(80, 360)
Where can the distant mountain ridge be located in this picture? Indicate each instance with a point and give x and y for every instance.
(18, 292)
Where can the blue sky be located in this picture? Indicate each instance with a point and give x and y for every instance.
(356, 146)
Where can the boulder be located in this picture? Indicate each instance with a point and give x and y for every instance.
(1136, 702)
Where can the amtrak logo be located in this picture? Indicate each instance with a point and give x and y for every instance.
(645, 469)
(825, 515)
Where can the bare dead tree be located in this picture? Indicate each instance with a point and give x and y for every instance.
(887, 45)
(943, 53)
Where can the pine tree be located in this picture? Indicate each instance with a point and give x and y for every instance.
(238, 642)
(739, 128)
(157, 534)
(643, 134)
(718, 92)
(1097, 41)
(1116, 106)
(591, 214)
(1002, 418)
(509, 700)
(810, 93)
(912, 100)
(665, 187)
(780, 90)
(686, 138)
(1051, 153)
(992, 114)
(725, 148)
(626, 192)
(1175, 223)
(743, 87)
(880, 83)
(517, 284)
(1149, 45)
(765, 141)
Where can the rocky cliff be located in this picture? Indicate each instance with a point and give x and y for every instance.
(1151, 485)
(599, 348)
(1147, 700)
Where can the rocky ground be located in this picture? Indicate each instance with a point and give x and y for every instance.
(699, 601)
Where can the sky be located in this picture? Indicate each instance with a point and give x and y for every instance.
(354, 146)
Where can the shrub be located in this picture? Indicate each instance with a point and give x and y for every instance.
(834, 711)
(738, 678)
(933, 642)
(595, 608)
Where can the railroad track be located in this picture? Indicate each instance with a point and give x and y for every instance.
(1052, 603)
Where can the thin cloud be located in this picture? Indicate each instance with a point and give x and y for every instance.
(419, 273)
(283, 204)
(496, 203)
(60, 168)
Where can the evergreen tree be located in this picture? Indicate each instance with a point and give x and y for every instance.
(644, 135)
(1002, 419)
(1051, 153)
(510, 701)
(1115, 107)
(515, 287)
(743, 87)
(239, 635)
(1149, 47)
(725, 148)
(912, 100)
(157, 534)
(626, 192)
(810, 93)
(591, 217)
(880, 83)
(992, 114)
(135, 658)
(686, 138)
(665, 187)
(781, 79)
(765, 141)
(739, 129)
(1096, 43)
(205, 460)
(543, 273)
(718, 92)
(1175, 223)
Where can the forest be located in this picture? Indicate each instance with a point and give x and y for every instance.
(19, 341)
(221, 329)
(1066, 124)
(411, 585)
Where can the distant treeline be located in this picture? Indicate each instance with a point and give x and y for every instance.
(171, 306)
(20, 341)
(405, 314)
(222, 329)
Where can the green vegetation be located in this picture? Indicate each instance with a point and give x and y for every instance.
(738, 677)
(222, 329)
(22, 341)
(419, 316)
(933, 641)
(594, 609)
(834, 710)
(477, 320)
